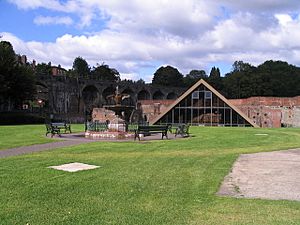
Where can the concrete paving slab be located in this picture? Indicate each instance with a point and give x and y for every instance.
(266, 175)
(74, 167)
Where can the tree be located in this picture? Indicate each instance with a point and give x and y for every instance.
(240, 66)
(168, 76)
(81, 67)
(104, 73)
(215, 79)
(193, 77)
(17, 82)
(22, 84)
(140, 82)
(43, 69)
(272, 78)
(239, 83)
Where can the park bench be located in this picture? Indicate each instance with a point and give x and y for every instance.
(148, 130)
(182, 129)
(55, 128)
(62, 126)
(52, 130)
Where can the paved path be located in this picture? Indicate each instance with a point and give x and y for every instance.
(69, 140)
(265, 175)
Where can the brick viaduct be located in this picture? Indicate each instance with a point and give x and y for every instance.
(74, 97)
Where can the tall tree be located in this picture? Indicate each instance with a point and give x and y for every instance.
(81, 67)
(17, 81)
(215, 79)
(104, 73)
(43, 69)
(7, 65)
(193, 76)
(272, 78)
(167, 76)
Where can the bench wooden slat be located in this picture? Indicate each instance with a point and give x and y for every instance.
(148, 130)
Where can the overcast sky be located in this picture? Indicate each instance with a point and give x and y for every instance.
(138, 36)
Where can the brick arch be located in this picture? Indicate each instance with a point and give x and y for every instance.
(171, 95)
(158, 95)
(110, 90)
(131, 99)
(143, 95)
(90, 95)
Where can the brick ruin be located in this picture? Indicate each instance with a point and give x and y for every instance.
(271, 111)
(264, 111)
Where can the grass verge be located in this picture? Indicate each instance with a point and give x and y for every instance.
(16, 136)
(159, 182)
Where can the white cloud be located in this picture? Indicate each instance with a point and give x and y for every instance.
(186, 34)
(34, 4)
(45, 20)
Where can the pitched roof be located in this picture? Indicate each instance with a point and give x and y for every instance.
(190, 90)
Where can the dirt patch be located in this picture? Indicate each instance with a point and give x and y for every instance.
(267, 175)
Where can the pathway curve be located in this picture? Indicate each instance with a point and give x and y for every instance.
(70, 140)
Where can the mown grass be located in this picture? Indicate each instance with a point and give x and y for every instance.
(157, 182)
(15, 136)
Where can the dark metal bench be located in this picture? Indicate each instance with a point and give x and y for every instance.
(148, 130)
(55, 128)
(52, 130)
(183, 130)
(62, 126)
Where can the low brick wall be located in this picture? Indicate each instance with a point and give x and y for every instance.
(271, 111)
(152, 108)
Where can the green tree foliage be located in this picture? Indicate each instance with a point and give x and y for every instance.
(80, 68)
(215, 79)
(17, 81)
(167, 76)
(104, 73)
(193, 77)
(43, 69)
(272, 78)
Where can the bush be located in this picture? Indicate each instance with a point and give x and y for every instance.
(16, 118)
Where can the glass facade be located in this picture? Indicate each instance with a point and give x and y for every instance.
(203, 107)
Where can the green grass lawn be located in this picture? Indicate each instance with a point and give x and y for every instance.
(159, 182)
(15, 136)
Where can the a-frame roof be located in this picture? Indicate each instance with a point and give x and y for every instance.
(190, 90)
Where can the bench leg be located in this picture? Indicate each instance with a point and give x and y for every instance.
(135, 135)
(164, 135)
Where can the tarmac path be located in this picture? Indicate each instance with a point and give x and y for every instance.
(69, 140)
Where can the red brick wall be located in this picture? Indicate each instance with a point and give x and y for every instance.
(152, 108)
(270, 111)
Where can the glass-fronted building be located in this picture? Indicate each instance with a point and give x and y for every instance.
(203, 105)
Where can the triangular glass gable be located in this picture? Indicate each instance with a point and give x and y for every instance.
(203, 106)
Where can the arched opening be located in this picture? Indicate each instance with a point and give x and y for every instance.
(158, 95)
(90, 95)
(143, 95)
(106, 92)
(128, 100)
(171, 95)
